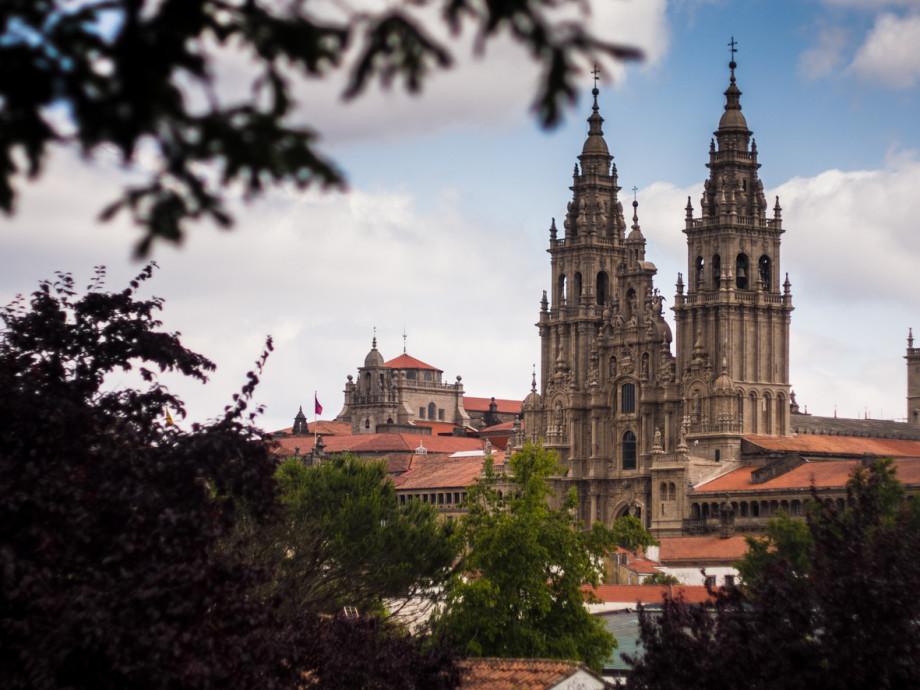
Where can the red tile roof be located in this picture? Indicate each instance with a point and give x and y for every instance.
(637, 564)
(842, 445)
(408, 362)
(434, 472)
(383, 443)
(823, 474)
(471, 404)
(649, 594)
(515, 674)
(701, 550)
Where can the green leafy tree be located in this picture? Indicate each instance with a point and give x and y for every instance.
(518, 590)
(346, 541)
(631, 535)
(111, 518)
(117, 564)
(661, 579)
(127, 72)
(787, 539)
(842, 614)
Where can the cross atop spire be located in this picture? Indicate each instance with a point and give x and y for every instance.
(731, 65)
(596, 72)
(404, 338)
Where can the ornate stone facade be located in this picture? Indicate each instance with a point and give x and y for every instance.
(392, 396)
(634, 424)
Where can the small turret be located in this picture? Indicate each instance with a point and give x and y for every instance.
(913, 380)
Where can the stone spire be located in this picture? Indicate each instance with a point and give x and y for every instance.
(913, 380)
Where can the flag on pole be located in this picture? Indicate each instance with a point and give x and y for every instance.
(319, 408)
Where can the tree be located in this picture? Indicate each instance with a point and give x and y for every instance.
(366, 652)
(120, 563)
(129, 72)
(787, 539)
(631, 535)
(661, 579)
(842, 616)
(111, 577)
(518, 590)
(346, 541)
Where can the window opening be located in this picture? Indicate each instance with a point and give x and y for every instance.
(628, 402)
(741, 272)
(629, 450)
(764, 266)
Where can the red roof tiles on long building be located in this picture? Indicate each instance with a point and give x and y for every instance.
(823, 474)
(843, 445)
(382, 443)
(428, 472)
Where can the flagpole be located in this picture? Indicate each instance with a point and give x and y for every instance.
(315, 398)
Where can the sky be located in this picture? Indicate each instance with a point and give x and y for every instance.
(443, 230)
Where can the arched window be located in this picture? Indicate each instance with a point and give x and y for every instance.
(700, 269)
(755, 509)
(421, 413)
(629, 450)
(744, 509)
(765, 273)
(628, 399)
(432, 410)
(560, 291)
(577, 299)
(742, 272)
(716, 271)
(367, 423)
(603, 286)
(672, 492)
(663, 490)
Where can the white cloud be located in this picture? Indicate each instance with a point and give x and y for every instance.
(823, 59)
(851, 250)
(489, 91)
(890, 54)
(318, 272)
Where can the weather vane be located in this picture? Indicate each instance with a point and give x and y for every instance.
(635, 191)
(732, 48)
(404, 338)
(595, 72)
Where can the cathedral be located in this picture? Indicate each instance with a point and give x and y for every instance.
(637, 423)
(693, 432)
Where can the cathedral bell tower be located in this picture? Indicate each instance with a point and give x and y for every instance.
(582, 264)
(733, 320)
(610, 401)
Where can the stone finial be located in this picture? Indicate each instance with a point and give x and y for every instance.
(777, 210)
(910, 338)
